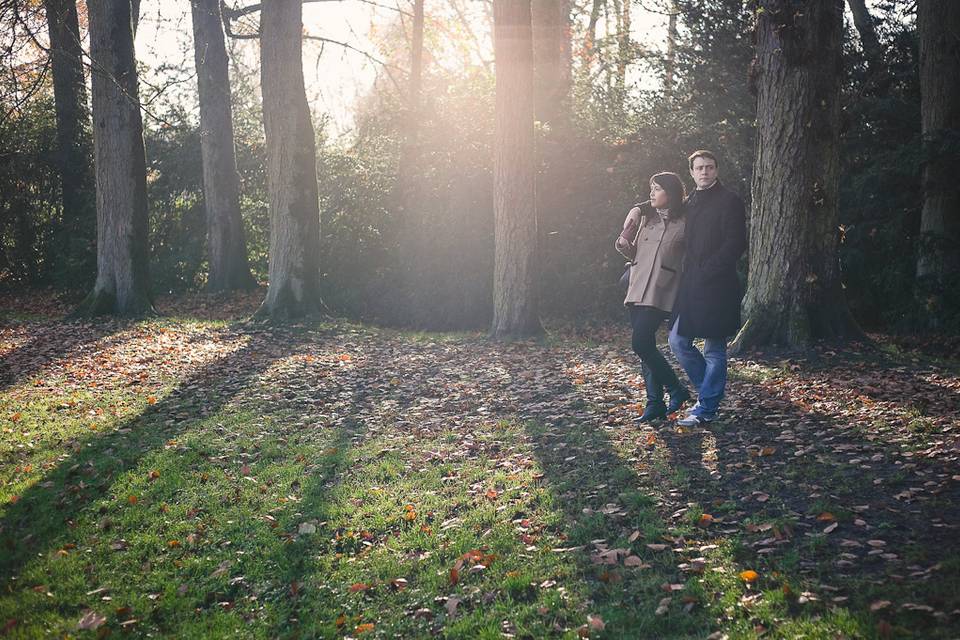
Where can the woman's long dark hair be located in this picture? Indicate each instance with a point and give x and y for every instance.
(676, 192)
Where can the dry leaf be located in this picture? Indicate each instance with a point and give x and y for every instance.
(749, 575)
(91, 620)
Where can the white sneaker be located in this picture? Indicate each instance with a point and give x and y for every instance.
(693, 421)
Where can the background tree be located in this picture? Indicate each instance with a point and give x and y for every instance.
(551, 58)
(291, 166)
(76, 242)
(123, 283)
(515, 308)
(938, 266)
(226, 245)
(795, 293)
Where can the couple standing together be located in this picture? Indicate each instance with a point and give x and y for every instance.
(683, 253)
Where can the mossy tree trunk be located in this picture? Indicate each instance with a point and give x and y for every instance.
(795, 294)
(294, 288)
(938, 264)
(123, 283)
(76, 235)
(226, 245)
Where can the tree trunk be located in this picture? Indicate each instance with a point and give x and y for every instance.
(294, 288)
(551, 57)
(795, 292)
(515, 309)
(938, 265)
(864, 23)
(623, 47)
(123, 285)
(226, 246)
(76, 242)
(670, 64)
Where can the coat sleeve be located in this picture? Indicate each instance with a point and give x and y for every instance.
(733, 242)
(625, 242)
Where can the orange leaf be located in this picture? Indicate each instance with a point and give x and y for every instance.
(359, 586)
(826, 516)
(705, 520)
(341, 620)
(749, 575)
(345, 357)
(151, 399)
(15, 417)
(492, 494)
(132, 499)
(154, 474)
(410, 516)
(454, 576)
(173, 544)
(363, 628)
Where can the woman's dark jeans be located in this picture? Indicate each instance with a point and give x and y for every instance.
(657, 372)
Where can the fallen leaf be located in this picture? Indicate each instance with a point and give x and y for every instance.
(663, 606)
(492, 494)
(831, 528)
(364, 628)
(452, 603)
(826, 516)
(749, 575)
(91, 620)
(595, 622)
(359, 586)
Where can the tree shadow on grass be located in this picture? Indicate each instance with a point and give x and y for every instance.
(43, 516)
(50, 342)
(850, 514)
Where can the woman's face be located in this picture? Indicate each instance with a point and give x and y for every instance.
(658, 197)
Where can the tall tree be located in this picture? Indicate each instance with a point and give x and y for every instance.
(294, 288)
(938, 265)
(515, 308)
(866, 27)
(226, 245)
(76, 244)
(670, 59)
(795, 293)
(123, 284)
(551, 57)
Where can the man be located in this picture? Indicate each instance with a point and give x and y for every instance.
(708, 303)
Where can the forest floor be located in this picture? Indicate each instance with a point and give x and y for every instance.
(200, 476)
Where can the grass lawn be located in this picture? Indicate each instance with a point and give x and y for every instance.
(193, 477)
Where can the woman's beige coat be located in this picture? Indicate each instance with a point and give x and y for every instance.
(657, 255)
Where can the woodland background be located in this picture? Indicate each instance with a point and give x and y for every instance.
(407, 227)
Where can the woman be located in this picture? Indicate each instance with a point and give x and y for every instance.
(652, 240)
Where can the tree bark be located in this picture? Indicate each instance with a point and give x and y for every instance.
(866, 27)
(938, 265)
(552, 64)
(123, 284)
(670, 63)
(76, 242)
(226, 245)
(515, 308)
(294, 288)
(795, 292)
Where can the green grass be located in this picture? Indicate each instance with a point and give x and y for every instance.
(280, 491)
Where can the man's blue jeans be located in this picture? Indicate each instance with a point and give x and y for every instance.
(707, 371)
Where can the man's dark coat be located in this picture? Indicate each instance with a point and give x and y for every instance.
(708, 303)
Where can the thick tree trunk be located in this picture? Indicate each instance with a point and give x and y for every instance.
(515, 309)
(795, 293)
(123, 285)
(551, 56)
(938, 265)
(294, 288)
(226, 245)
(76, 242)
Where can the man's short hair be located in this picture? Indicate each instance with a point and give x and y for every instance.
(701, 153)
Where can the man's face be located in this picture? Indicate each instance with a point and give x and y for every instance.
(704, 172)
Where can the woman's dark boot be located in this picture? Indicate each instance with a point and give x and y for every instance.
(655, 409)
(678, 397)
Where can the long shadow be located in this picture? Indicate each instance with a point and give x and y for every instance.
(787, 469)
(50, 342)
(42, 516)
